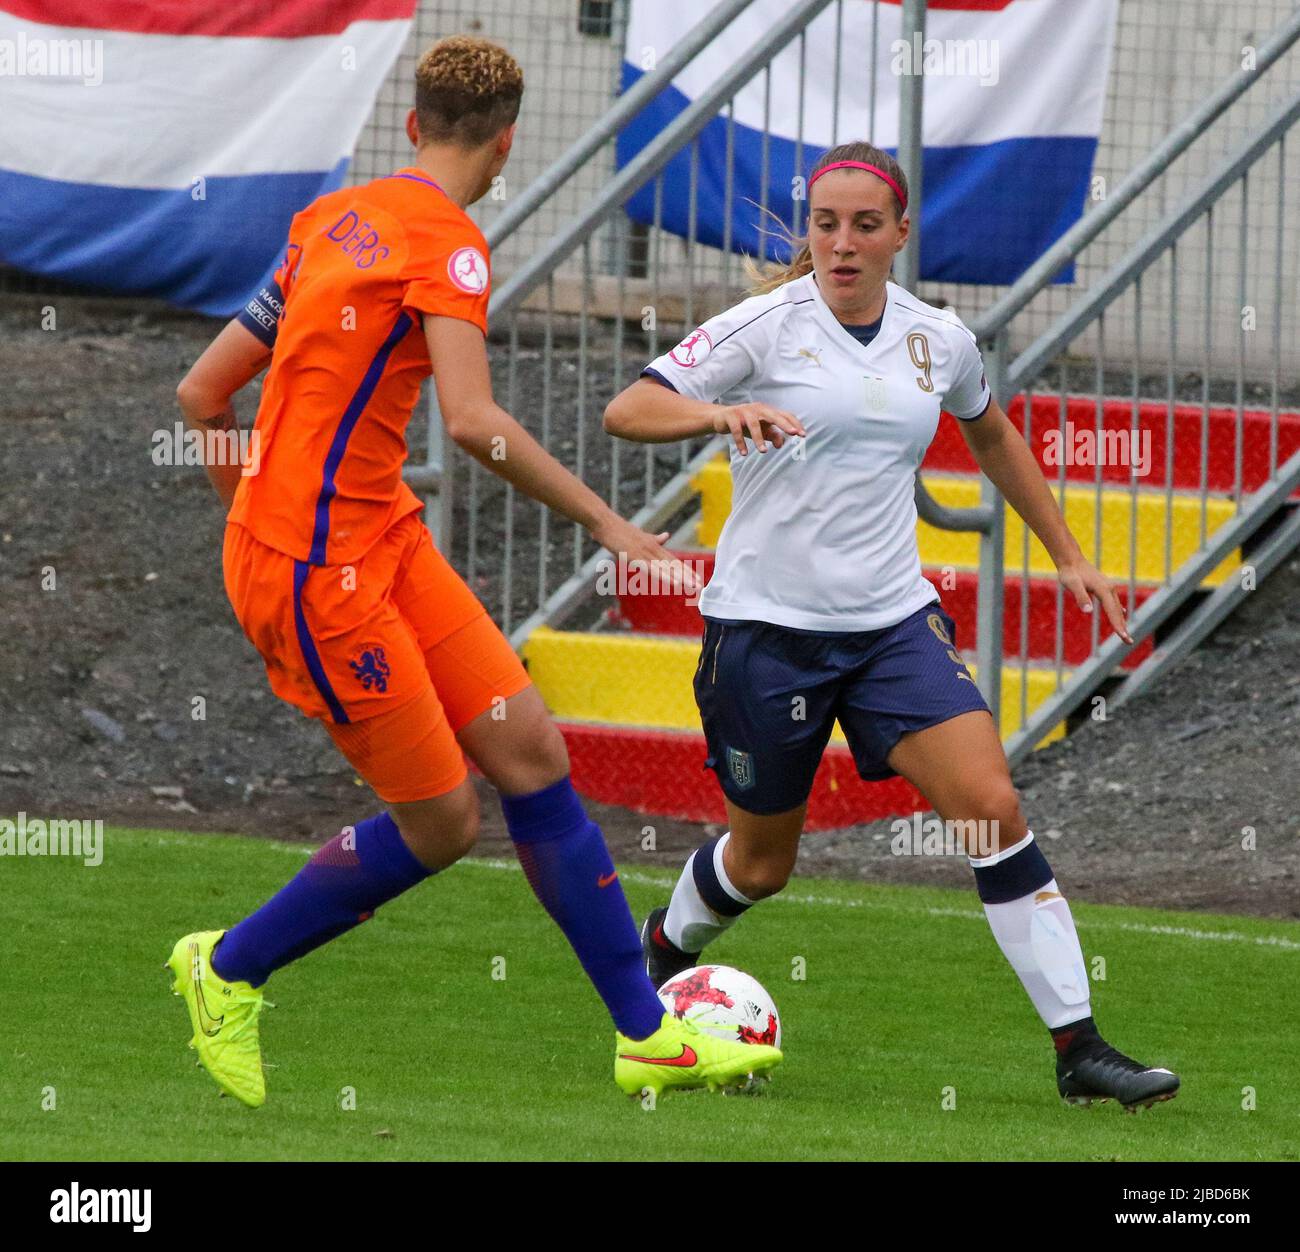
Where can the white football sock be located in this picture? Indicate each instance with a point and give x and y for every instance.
(690, 924)
(1037, 936)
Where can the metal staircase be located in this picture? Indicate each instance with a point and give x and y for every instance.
(1213, 515)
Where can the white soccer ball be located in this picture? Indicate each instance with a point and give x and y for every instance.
(725, 1002)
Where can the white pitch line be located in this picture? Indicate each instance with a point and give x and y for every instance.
(1142, 928)
(1278, 942)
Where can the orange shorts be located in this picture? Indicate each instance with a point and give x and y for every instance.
(393, 653)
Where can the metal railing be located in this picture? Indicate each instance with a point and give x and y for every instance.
(566, 327)
(1239, 505)
(547, 578)
(992, 329)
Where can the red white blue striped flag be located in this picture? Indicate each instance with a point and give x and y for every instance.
(1014, 91)
(162, 148)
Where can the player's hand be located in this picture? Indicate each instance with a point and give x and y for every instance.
(639, 547)
(759, 422)
(1084, 581)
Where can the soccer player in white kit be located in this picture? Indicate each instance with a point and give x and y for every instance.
(818, 610)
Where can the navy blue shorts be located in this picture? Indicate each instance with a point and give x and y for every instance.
(769, 697)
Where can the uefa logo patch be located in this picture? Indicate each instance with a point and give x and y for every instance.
(693, 349)
(468, 270)
(740, 765)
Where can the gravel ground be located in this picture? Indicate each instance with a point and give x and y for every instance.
(115, 621)
(1152, 807)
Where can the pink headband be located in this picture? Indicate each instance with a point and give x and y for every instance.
(861, 165)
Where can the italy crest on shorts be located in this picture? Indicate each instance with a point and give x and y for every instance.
(741, 767)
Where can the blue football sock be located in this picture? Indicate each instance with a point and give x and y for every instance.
(569, 868)
(345, 881)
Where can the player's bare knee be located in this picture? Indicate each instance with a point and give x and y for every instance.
(990, 819)
(757, 879)
(522, 750)
(461, 832)
(441, 830)
(543, 759)
(552, 753)
(462, 839)
(1002, 805)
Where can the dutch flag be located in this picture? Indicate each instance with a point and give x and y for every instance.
(1014, 92)
(162, 149)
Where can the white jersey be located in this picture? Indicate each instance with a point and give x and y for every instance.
(822, 532)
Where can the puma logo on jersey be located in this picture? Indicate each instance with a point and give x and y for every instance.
(935, 623)
(814, 357)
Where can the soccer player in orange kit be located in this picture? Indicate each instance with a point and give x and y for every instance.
(364, 625)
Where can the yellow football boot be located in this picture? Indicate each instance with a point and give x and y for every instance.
(680, 1054)
(224, 1017)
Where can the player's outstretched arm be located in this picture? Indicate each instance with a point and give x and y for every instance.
(230, 362)
(1004, 457)
(489, 434)
(649, 412)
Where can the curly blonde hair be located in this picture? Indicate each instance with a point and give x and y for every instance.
(769, 277)
(467, 91)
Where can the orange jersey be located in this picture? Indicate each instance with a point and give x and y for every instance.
(349, 355)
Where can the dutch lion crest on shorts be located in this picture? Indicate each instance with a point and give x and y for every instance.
(372, 669)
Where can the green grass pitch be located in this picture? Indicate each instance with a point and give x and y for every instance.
(906, 1006)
